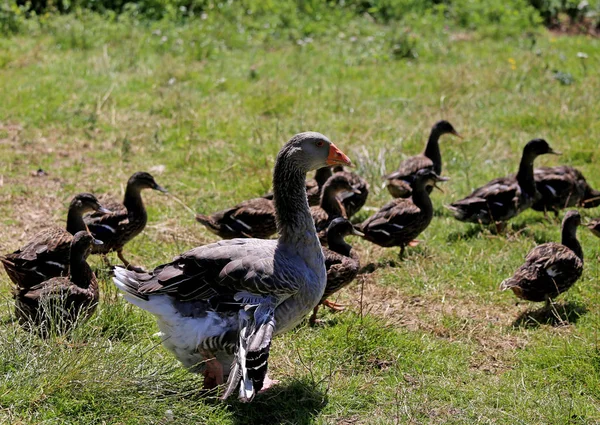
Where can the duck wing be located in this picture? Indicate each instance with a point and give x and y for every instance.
(398, 221)
(409, 167)
(341, 270)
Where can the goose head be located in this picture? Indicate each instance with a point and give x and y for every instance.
(86, 202)
(310, 151)
(142, 180)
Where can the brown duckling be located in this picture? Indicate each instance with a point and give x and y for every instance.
(505, 197)
(126, 221)
(550, 268)
(254, 218)
(563, 187)
(57, 304)
(594, 227)
(330, 206)
(400, 221)
(46, 255)
(314, 186)
(355, 200)
(341, 261)
(399, 182)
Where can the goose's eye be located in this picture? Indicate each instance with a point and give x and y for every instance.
(320, 143)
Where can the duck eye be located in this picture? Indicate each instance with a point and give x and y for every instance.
(320, 143)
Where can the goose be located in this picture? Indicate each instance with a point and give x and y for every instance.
(254, 218)
(563, 187)
(551, 268)
(220, 304)
(314, 186)
(354, 200)
(398, 182)
(46, 254)
(126, 221)
(341, 262)
(505, 197)
(400, 221)
(61, 302)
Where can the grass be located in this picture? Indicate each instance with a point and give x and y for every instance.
(428, 340)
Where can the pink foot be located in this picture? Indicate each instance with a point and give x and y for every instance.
(414, 243)
(213, 372)
(268, 383)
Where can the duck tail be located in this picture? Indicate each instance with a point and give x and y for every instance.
(591, 199)
(249, 368)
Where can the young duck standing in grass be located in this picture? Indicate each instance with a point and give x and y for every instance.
(399, 182)
(341, 261)
(254, 218)
(219, 305)
(59, 303)
(551, 268)
(330, 206)
(46, 255)
(126, 221)
(505, 197)
(400, 221)
(563, 187)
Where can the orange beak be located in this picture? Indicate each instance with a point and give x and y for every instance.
(337, 157)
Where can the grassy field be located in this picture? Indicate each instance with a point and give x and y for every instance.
(427, 340)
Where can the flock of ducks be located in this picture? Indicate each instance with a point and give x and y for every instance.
(219, 305)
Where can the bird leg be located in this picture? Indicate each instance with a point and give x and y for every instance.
(313, 318)
(127, 264)
(401, 255)
(213, 370)
(268, 383)
(105, 261)
(333, 306)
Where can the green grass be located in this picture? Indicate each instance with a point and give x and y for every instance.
(429, 340)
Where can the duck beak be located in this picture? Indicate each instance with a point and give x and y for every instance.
(553, 152)
(161, 189)
(337, 157)
(103, 210)
(357, 232)
(355, 190)
(440, 179)
(97, 242)
(455, 133)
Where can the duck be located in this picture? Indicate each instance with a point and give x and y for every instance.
(399, 182)
(314, 186)
(254, 218)
(341, 262)
(594, 226)
(504, 198)
(400, 221)
(59, 303)
(551, 268)
(330, 206)
(221, 304)
(46, 254)
(353, 201)
(125, 221)
(563, 187)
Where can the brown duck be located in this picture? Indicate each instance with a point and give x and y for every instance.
(46, 255)
(505, 197)
(341, 261)
(355, 200)
(126, 221)
(400, 221)
(550, 268)
(563, 187)
(330, 206)
(254, 218)
(57, 304)
(399, 182)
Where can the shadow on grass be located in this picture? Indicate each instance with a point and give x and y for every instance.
(295, 403)
(555, 315)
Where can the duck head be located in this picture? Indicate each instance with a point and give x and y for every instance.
(86, 202)
(427, 177)
(444, 127)
(538, 147)
(142, 180)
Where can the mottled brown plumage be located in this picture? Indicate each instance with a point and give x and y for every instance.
(254, 218)
(330, 206)
(550, 268)
(563, 187)
(400, 221)
(126, 221)
(399, 182)
(341, 261)
(355, 200)
(505, 197)
(56, 304)
(46, 255)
